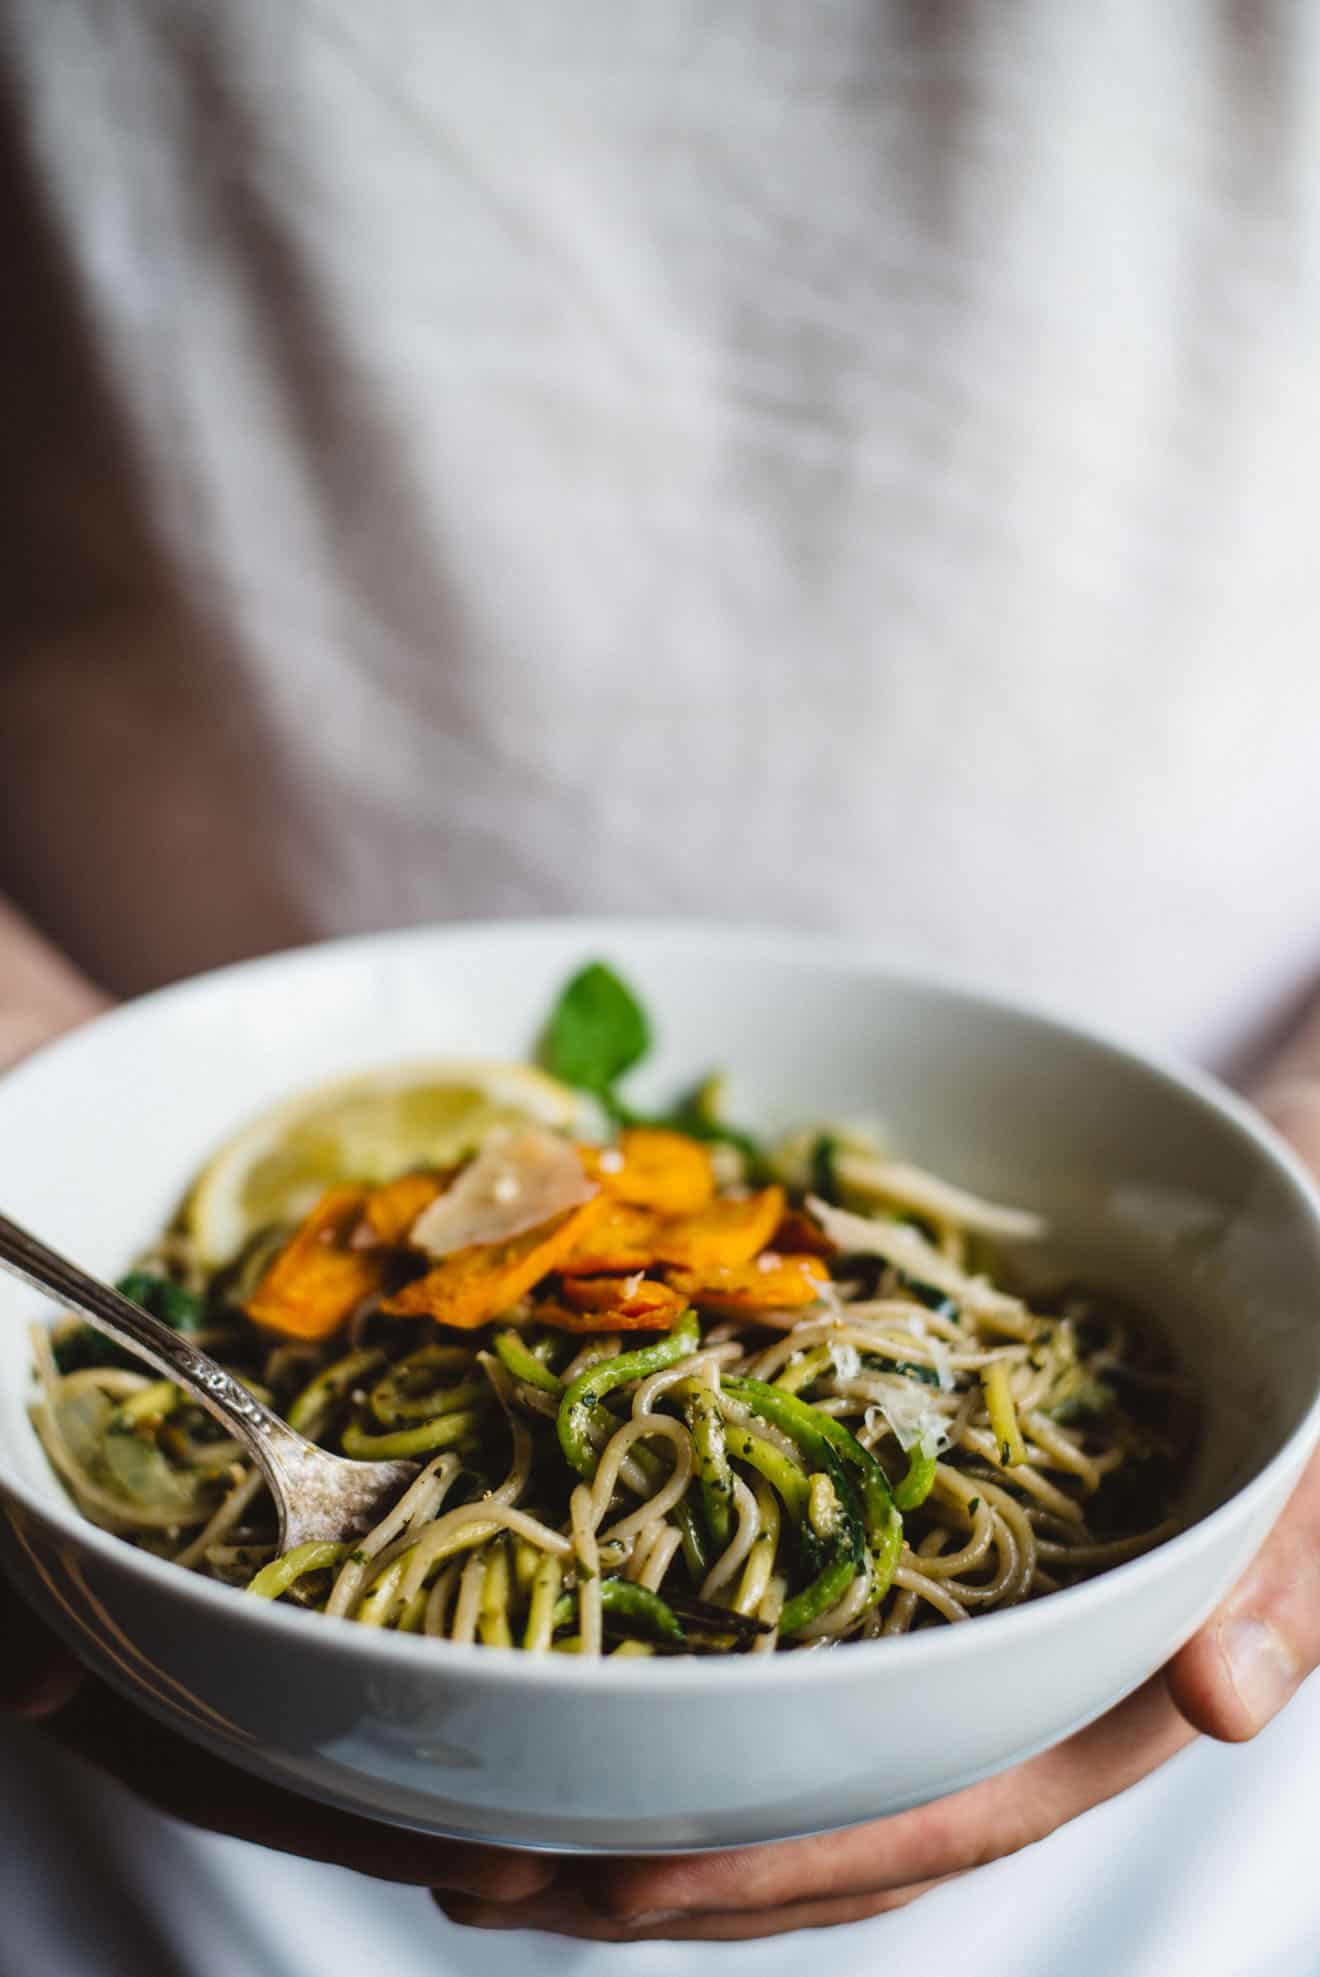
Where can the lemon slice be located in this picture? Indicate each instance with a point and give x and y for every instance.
(366, 1128)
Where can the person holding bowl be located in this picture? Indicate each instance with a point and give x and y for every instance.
(844, 470)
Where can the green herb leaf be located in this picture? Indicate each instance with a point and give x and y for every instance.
(913, 1369)
(82, 1347)
(937, 1301)
(178, 1307)
(824, 1172)
(85, 1346)
(597, 1031)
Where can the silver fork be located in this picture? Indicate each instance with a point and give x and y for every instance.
(317, 1495)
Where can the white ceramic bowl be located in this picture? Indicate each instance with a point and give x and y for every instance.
(1156, 1180)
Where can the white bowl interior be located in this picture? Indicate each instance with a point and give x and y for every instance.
(1155, 1184)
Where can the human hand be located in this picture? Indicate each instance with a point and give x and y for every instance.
(42, 996)
(42, 1681)
(1228, 1682)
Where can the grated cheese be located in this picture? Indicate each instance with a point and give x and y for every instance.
(907, 1249)
(925, 1194)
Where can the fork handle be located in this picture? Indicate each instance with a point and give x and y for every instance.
(262, 1432)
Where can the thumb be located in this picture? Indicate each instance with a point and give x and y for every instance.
(1254, 1652)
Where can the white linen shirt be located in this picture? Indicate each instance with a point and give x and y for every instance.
(840, 463)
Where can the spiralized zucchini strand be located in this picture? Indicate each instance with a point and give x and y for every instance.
(913, 1442)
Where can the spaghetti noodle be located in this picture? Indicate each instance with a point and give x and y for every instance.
(664, 1440)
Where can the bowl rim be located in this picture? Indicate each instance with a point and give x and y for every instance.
(333, 1637)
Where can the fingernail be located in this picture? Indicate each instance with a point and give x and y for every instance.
(651, 1918)
(1260, 1667)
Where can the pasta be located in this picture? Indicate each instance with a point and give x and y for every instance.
(671, 1392)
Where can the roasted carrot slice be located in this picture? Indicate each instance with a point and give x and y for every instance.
(475, 1284)
(652, 1168)
(627, 1299)
(318, 1278)
(798, 1235)
(391, 1210)
(621, 1239)
(769, 1283)
(612, 1304)
(560, 1319)
(613, 1293)
(728, 1231)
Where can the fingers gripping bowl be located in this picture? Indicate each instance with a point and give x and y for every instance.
(1153, 1184)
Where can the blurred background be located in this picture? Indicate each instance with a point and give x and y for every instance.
(850, 464)
(841, 465)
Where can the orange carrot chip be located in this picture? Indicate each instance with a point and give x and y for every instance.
(627, 1299)
(798, 1235)
(318, 1278)
(391, 1210)
(769, 1283)
(615, 1307)
(620, 1239)
(653, 1168)
(475, 1284)
(730, 1230)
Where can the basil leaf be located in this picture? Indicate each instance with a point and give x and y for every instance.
(181, 1308)
(597, 1031)
(84, 1347)
(824, 1170)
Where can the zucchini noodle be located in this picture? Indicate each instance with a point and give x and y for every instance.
(913, 1444)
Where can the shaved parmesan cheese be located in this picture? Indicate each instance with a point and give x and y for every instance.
(519, 1179)
(910, 1416)
(925, 1194)
(939, 1353)
(847, 1360)
(907, 1249)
